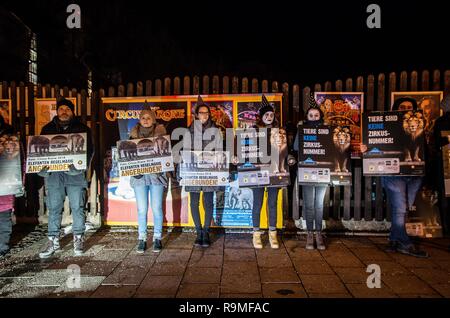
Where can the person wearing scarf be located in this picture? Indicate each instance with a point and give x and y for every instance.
(313, 195)
(199, 126)
(72, 183)
(266, 119)
(152, 184)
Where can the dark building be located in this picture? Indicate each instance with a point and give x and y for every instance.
(15, 41)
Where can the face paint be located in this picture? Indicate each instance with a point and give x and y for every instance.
(268, 118)
(313, 115)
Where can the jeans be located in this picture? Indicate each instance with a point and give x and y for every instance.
(208, 203)
(156, 196)
(258, 196)
(55, 204)
(313, 197)
(401, 192)
(5, 230)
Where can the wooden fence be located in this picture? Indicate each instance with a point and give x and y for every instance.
(363, 200)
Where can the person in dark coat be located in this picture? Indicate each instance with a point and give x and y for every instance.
(266, 119)
(198, 127)
(442, 124)
(313, 195)
(72, 183)
(401, 193)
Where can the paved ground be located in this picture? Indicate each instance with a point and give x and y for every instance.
(229, 268)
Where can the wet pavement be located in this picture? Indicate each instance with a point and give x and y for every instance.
(229, 268)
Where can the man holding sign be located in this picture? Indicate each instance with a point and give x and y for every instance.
(61, 183)
(403, 171)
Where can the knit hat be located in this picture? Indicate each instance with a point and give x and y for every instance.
(65, 102)
(265, 107)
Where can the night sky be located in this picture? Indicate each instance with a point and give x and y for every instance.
(294, 41)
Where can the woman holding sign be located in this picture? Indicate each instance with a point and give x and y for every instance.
(313, 195)
(266, 119)
(154, 183)
(198, 131)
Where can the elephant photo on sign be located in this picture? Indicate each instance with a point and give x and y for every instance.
(127, 150)
(76, 143)
(38, 145)
(162, 146)
(59, 144)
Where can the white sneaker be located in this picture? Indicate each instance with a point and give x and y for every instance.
(78, 245)
(52, 247)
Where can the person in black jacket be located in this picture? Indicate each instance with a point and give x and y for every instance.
(202, 125)
(442, 124)
(266, 120)
(72, 183)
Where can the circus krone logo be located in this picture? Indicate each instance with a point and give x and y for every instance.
(163, 114)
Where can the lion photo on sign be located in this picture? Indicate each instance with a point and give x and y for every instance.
(278, 141)
(341, 140)
(413, 126)
(9, 147)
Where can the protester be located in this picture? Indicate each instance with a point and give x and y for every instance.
(313, 195)
(266, 119)
(401, 193)
(200, 127)
(152, 184)
(72, 183)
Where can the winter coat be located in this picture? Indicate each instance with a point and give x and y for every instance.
(442, 124)
(209, 124)
(61, 179)
(153, 178)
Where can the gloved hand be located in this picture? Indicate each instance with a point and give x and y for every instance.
(21, 193)
(73, 171)
(291, 160)
(138, 176)
(44, 172)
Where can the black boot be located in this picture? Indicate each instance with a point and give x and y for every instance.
(206, 242)
(412, 251)
(199, 239)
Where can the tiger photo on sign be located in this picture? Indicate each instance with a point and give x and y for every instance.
(342, 141)
(413, 126)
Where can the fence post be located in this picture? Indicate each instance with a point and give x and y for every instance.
(379, 202)
(186, 85)
(357, 187)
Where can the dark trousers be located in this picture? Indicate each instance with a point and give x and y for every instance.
(208, 198)
(258, 196)
(5, 229)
